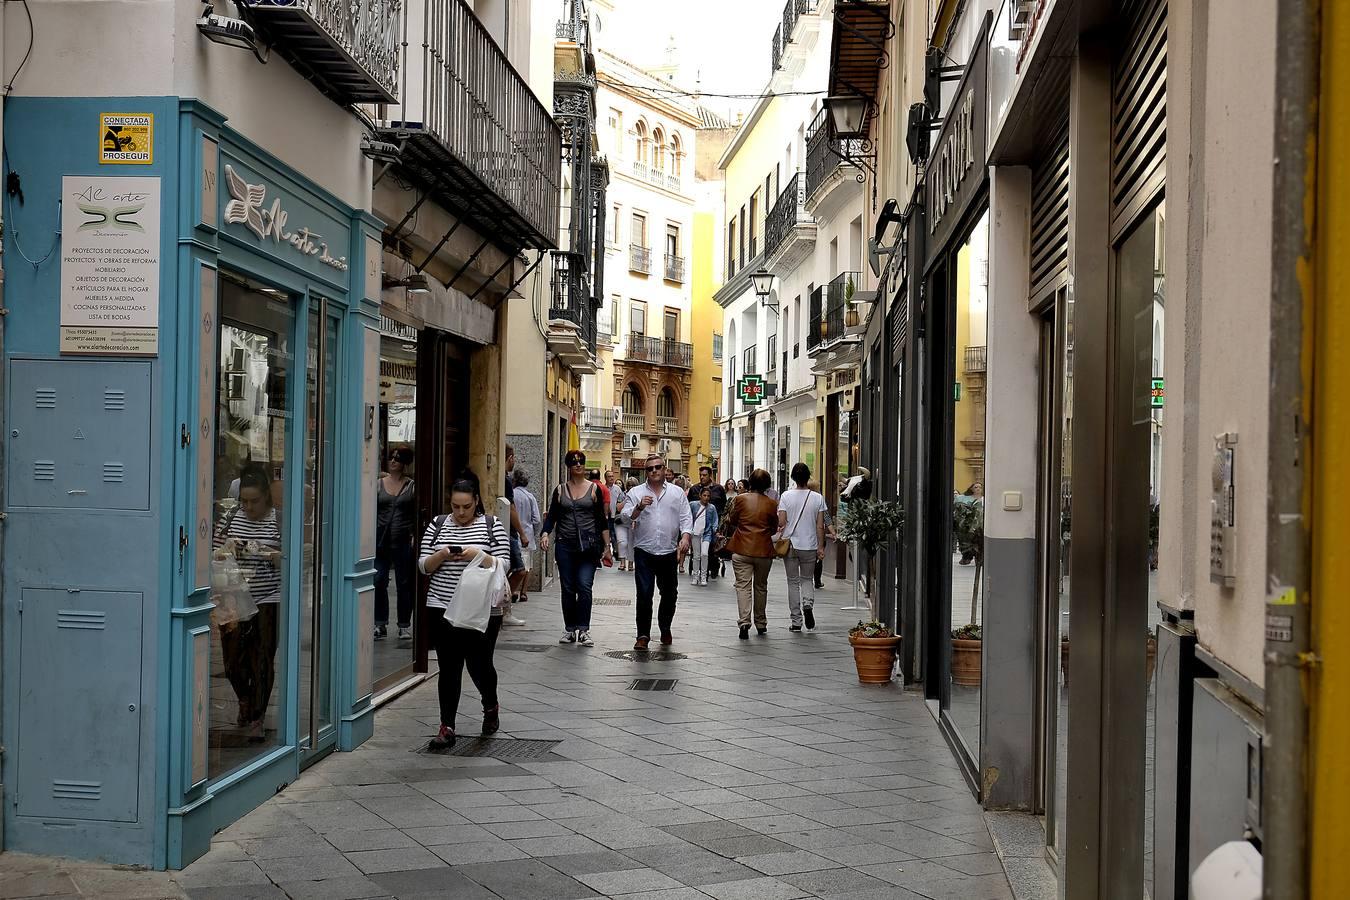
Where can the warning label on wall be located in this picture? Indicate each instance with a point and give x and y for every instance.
(126, 138)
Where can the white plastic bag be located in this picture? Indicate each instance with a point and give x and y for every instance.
(229, 591)
(480, 591)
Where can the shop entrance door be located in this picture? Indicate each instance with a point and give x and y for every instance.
(317, 734)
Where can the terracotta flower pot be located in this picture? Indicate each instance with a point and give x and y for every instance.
(874, 657)
(851, 317)
(966, 662)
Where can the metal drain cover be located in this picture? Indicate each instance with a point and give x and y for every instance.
(646, 655)
(497, 748)
(612, 601)
(653, 684)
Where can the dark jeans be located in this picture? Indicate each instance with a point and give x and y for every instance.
(458, 649)
(249, 649)
(576, 571)
(398, 559)
(654, 571)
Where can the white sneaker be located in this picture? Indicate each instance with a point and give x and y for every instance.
(405, 634)
(512, 620)
(584, 639)
(569, 637)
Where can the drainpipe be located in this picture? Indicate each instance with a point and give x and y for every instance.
(3, 390)
(1284, 770)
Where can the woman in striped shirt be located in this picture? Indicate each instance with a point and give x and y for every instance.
(251, 534)
(449, 545)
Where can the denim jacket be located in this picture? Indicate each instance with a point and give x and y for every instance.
(709, 521)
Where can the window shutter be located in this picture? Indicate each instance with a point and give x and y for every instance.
(1138, 109)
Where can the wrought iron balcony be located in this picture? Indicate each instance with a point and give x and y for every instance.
(783, 35)
(597, 418)
(571, 314)
(838, 295)
(787, 213)
(483, 143)
(816, 312)
(660, 352)
(667, 425)
(976, 360)
(675, 268)
(825, 152)
(640, 259)
(348, 49)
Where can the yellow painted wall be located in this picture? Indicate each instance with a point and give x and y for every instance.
(707, 389)
(968, 417)
(1330, 683)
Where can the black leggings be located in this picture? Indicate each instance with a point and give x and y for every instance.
(458, 649)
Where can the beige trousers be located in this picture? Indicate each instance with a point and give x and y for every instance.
(752, 588)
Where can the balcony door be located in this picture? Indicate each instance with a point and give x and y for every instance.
(672, 325)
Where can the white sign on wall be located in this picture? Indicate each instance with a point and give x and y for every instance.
(110, 255)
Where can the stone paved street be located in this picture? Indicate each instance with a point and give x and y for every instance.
(768, 773)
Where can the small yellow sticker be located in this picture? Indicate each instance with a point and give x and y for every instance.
(1287, 597)
(126, 139)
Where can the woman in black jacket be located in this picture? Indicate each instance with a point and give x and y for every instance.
(577, 510)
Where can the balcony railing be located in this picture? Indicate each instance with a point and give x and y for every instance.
(786, 214)
(816, 312)
(640, 170)
(597, 418)
(667, 425)
(837, 294)
(976, 360)
(825, 152)
(675, 268)
(349, 49)
(639, 259)
(485, 145)
(636, 422)
(782, 36)
(660, 352)
(570, 299)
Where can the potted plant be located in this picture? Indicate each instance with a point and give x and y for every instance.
(851, 314)
(966, 655)
(874, 646)
(870, 524)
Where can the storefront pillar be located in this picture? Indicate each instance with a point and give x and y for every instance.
(487, 440)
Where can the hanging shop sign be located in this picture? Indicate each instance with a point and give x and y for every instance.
(750, 390)
(956, 169)
(269, 222)
(110, 254)
(126, 139)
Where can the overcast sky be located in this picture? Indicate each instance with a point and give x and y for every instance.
(726, 43)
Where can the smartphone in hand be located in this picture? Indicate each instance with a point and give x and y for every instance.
(454, 551)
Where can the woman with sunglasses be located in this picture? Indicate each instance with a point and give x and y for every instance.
(578, 511)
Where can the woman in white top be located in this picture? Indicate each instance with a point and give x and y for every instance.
(449, 545)
(801, 520)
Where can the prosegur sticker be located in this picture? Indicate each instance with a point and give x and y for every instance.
(126, 139)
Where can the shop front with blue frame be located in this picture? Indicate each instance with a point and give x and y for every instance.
(188, 569)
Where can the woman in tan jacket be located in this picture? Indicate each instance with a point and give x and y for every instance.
(752, 521)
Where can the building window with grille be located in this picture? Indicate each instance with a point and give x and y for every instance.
(717, 348)
(773, 352)
(632, 401)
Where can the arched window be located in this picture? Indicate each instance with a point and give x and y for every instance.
(632, 401)
(640, 129)
(659, 150)
(665, 404)
(676, 153)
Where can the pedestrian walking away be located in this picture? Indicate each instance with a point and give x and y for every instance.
(577, 510)
(752, 521)
(801, 522)
(519, 541)
(395, 528)
(449, 544)
(705, 529)
(660, 524)
(527, 507)
(617, 498)
(719, 502)
(622, 536)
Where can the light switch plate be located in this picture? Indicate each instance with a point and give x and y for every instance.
(1012, 501)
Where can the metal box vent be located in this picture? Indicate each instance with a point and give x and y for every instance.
(44, 470)
(653, 684)
(44, 398)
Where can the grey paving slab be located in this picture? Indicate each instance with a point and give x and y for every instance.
(788, 863)
(356, 887)
(383, 839)
(478, 852)
(589, 863)
(528, 880)
(628, 881)
(403, 859)
(425, 884)
(755, 889)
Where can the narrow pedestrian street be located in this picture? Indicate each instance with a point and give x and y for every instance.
(766, 772)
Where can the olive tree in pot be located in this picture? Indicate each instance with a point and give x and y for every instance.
(870, 524)
(968, 529)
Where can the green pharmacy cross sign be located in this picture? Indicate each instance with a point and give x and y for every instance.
(750, 390)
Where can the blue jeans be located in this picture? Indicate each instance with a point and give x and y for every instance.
(401, 560)
(576, 571)
(654, 571)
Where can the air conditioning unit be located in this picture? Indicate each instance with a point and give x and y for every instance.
(665, 428)
(663, 446)
(717, 412)
(618, 415)
(630, 440)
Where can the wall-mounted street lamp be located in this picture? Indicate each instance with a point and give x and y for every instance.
(848, 112)
(762, 281)
(231, 32)
(416, 283)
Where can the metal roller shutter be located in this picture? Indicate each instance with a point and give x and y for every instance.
(1050, 213)
(1138, 109)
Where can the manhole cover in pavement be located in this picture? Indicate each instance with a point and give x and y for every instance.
(611, 601)
(646, 655)
(497, 748)
(526, 648)
(653, 684)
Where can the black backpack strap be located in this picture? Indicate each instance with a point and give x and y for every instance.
(492, 529)
(439, 522)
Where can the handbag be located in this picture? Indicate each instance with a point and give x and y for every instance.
(723, 535)
(480, 591)
(783, 546)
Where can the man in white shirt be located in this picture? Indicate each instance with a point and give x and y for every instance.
(660, 524)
